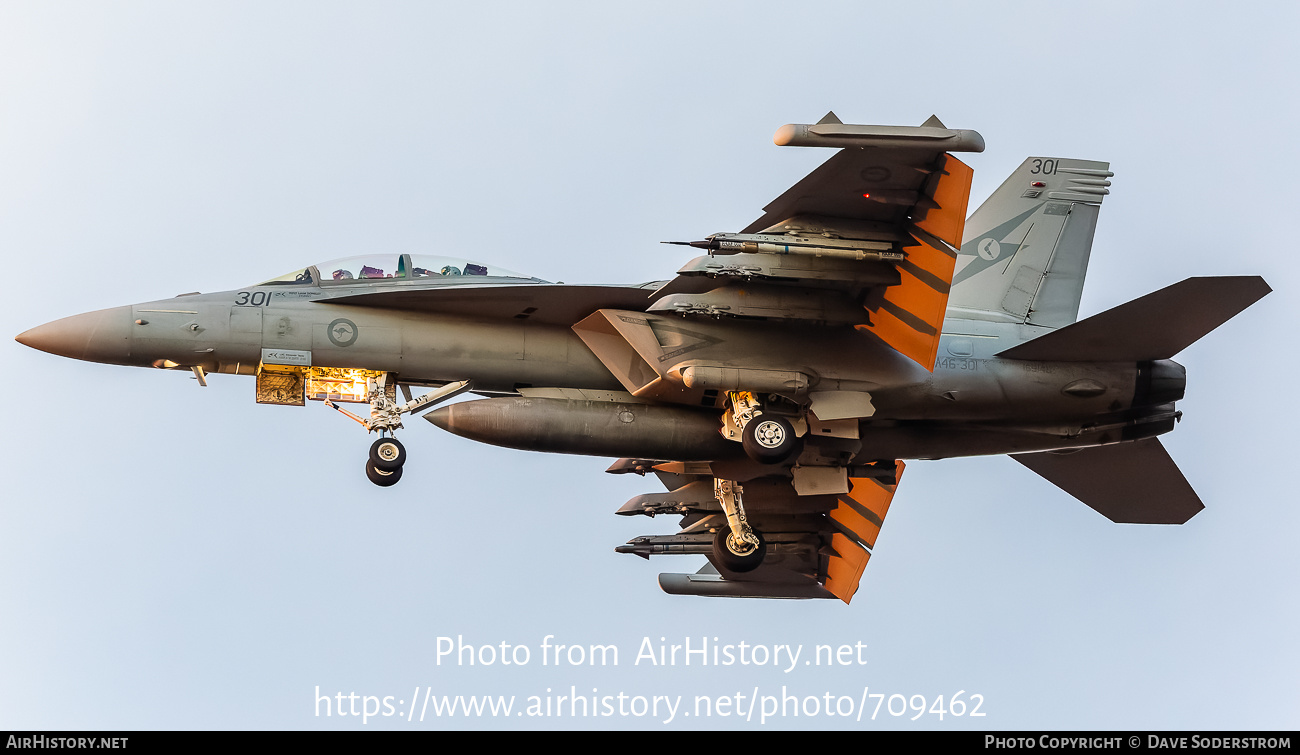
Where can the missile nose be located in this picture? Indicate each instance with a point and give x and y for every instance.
(101, 336)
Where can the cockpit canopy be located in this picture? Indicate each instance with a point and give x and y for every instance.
(390, 267)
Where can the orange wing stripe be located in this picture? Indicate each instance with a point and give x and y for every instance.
(931, 259)
(845, 570)
(911, 314)
(952, 193)
(903, 336)
(873, 495)
(918, 298)
(862, 528)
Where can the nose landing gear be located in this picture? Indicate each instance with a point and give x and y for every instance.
(387, 454)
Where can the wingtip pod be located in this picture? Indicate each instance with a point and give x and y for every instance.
(828, 134)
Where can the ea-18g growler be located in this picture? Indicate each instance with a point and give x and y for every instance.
(775, 384)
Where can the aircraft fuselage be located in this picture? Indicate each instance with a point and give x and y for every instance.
(973, 403)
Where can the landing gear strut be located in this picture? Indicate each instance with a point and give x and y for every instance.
(737, 547)
(387, 454)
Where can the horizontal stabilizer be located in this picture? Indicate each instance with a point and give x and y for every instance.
(1130, 483)
(1155, 326)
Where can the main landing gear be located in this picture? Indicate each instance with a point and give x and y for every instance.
(387, 454)
(737, 547)
(767, 438)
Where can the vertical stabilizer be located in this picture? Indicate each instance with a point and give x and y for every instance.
(1025, 251)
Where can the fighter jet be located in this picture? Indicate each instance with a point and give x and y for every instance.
(777, 383)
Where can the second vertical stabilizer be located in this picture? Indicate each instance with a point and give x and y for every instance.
(1025, 251)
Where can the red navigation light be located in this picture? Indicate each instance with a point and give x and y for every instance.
(1038, 184)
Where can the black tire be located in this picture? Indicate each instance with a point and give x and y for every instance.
(387, 454)
(381, 478)
(770, 440)
(728, 561)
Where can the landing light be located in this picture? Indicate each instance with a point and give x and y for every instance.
(292, 385)
(339, 384)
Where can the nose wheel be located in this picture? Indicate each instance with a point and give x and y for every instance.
(387, 454)
(384, 467)
(382, 478)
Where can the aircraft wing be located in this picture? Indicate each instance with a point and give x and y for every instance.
(818, 546)
(869, 238)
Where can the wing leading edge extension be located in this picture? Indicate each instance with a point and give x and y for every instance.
(552, 303)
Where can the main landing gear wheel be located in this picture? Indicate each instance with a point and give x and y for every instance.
(725, 547)
(770, 440)
(380, 477)
(387, 454)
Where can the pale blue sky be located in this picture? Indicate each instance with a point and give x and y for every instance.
(173, 557)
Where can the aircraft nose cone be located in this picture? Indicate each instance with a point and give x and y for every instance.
(101, 336)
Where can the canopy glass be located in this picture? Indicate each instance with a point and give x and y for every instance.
(391, 266)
